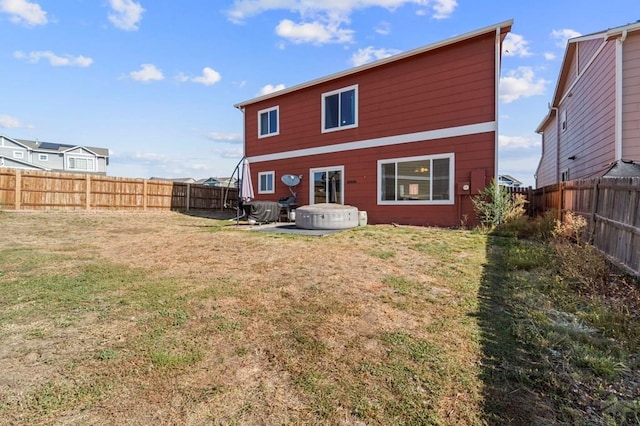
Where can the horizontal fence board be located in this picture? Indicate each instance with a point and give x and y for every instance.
(37, 190)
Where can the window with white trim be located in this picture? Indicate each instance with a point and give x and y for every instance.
(86, 164)
(268, 122)
(416, 180)
(18, 154)
(340, 109)
(266, 182)
(43, 157)
(563, 120)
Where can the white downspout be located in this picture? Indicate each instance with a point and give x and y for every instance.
(619, 95)
(557, 142)
(497, 100)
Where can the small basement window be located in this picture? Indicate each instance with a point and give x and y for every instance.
(266, 182)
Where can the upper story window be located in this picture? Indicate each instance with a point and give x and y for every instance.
(43, 157)
(18, 154)
(268, 124)
(81, 163)
(416, 180)
(563, 120)
(266, 182)
(340, 109)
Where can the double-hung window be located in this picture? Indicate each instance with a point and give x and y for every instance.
(340, 109)
(416, 180)
(81, 163)
(266, 182)
(268, 124)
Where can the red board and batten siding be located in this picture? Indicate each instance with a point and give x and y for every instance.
(447, 87)
(631, 98)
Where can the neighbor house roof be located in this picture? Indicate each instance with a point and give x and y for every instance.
(503, 27)
(623, 168)
(60, 147)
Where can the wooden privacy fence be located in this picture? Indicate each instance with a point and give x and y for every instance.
(611, 207)
(35, 190)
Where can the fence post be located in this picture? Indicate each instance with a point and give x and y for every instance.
(594, 208)
(88, 192)
(188, 196)
(18, 190)
(144, 195)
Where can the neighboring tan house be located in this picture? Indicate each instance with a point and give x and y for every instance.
(407, 138)
(57, 157)
(508, 180)
(594, 117)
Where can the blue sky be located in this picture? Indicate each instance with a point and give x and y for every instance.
(155, 81)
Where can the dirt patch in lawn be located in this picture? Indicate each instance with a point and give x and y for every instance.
(123, 317)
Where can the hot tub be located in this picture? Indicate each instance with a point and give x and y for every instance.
(327, 216)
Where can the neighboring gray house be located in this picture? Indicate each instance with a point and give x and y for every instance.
(219, 181)
(508, 180)
(593, 122)
(56, 157)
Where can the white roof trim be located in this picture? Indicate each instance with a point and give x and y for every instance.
(433, 46)
(84, 148)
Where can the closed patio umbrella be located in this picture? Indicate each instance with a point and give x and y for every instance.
(246, 186)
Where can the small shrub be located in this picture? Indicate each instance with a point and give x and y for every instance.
(571, 229)
(494, 206)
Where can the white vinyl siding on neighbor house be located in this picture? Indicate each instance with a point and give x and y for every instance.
(87, 164)
(269, 122)
(266, 182)
(416, 180)
(18, 154)
(340, 109)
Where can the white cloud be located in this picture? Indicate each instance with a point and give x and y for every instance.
(229, 152)
(515, 45)
(54, 60)
(147, 72)
(369, 54)
(314, 32)
(270, 88)
(323, 21)
(444, 8)
(126, 14)
(9, 122)
(563, 35)
(232, 138)
(209, 77)
(24, 12)
(383, 28)
(549, 56)
(518, 142)
(521, 83)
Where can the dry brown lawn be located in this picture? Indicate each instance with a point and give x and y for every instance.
(165, 318)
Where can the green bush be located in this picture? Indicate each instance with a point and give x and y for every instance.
(495, 206)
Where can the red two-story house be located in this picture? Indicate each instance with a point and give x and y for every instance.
(408, 139)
